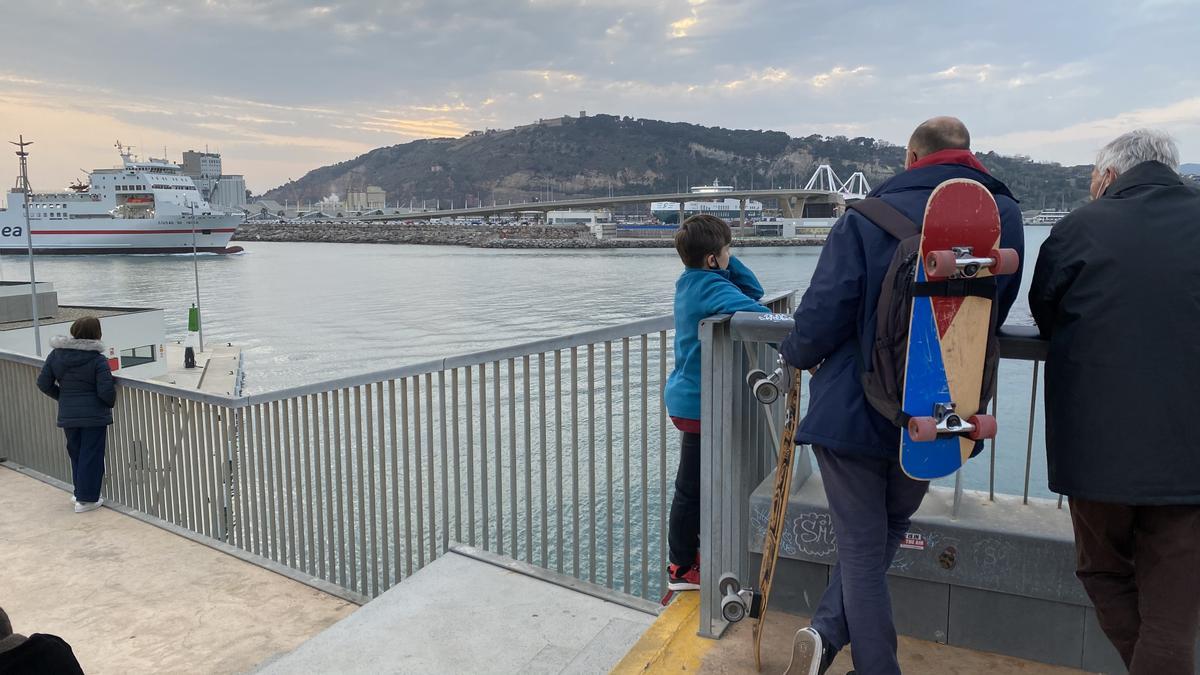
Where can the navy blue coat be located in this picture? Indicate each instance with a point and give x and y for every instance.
(77, 375)
(836, 316)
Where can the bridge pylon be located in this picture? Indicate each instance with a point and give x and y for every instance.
(856, 186)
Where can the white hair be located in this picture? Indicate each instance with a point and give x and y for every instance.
(1137, 146)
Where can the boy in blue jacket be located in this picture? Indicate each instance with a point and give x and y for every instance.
(713, 282)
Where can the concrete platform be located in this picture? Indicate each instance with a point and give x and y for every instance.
(130, 597)
(672, 646)
(472, 612)
(218, 370)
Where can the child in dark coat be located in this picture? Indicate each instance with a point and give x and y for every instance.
(77, 375)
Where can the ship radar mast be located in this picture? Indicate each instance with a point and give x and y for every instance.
(126, 152)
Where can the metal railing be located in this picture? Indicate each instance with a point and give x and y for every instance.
(556, 452)
(738, 445)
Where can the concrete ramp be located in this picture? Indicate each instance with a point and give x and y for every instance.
(475, 612)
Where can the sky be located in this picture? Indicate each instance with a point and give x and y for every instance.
(280, 87)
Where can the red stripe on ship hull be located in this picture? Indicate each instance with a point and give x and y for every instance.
(197, 231)
(145, 250)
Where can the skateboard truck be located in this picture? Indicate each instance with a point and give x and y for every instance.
(737, 602)
(960, 262)
(766, 387)
(946, 421)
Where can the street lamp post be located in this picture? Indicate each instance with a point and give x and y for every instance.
(23, 156)
(196, 271)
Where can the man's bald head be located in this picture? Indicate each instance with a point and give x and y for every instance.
(938, 133)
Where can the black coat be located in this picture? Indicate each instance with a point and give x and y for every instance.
(1117, 292)
(77, 375)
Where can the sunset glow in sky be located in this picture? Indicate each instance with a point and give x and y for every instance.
(280, 87)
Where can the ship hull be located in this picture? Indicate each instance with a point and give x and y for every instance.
(124, 236)
(123, 251)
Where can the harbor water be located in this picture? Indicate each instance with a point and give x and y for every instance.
(311, 312)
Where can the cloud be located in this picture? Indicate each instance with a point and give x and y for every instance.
(837, 74)
(1179, 116)
(414, 128)
(975, 73)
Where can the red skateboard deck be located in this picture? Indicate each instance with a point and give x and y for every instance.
(948, 331)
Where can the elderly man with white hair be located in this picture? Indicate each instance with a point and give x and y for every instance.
(1116, 290)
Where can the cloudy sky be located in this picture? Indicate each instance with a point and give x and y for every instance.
(283, 86)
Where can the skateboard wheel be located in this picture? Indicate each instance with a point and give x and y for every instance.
(729, 584)
(922, 429)
(1007, 261)
(754, 376)
(941, 264)
(985, 427)
(766, 391)
(732, 609)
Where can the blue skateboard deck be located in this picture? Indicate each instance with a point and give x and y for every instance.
(948, 335)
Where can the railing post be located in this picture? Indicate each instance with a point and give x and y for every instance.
(723, 478)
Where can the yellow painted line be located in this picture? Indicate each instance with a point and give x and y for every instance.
(671, 643)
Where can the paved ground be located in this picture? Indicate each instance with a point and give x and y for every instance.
(132, 598)
(672, 646)
(461, 614)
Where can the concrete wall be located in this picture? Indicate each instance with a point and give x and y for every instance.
(998, 576)
(15, 307)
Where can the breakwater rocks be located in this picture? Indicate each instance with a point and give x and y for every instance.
(478, 236)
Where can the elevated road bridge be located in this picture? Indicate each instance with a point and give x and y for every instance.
(791, 203)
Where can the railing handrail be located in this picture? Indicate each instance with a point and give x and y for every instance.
(1017, 342)
(653, 324)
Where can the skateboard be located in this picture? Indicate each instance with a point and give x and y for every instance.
(736, 601)
(948, 332)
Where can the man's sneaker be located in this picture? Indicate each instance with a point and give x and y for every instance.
(681, 578)
(84, 507)
(808, 653)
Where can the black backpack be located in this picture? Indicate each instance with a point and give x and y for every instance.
(883, 382)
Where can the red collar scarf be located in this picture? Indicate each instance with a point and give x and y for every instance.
(964, 157)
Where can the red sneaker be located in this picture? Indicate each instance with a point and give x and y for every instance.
(683, 578)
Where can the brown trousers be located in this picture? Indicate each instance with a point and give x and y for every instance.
(1140, 565)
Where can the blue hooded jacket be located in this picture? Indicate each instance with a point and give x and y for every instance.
(837, 313)
(699, 294)
(77, 375)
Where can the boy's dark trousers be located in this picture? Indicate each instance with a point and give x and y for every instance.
(683, 533)
(1138, 565)
(85, 445)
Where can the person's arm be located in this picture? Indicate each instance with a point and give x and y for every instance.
(1008, 287)
(722, 297)
(106, 387)
(828, 313)
(1056, 269)
(46, 382)
(744, 279)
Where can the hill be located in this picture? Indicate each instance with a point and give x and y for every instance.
(589, 156)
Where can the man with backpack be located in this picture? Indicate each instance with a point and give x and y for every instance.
(837, 331)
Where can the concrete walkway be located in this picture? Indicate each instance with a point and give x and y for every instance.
(475, 612)
(672, 646)
(132, 598)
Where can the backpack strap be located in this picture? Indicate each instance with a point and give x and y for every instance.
(886, 217)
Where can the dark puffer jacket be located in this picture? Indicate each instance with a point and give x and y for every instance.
(76, 375)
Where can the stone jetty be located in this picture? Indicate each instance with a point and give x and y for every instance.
(477, 236)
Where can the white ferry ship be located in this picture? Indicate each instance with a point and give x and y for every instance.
(1047, 217)
(727, 208)
(143, 207)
